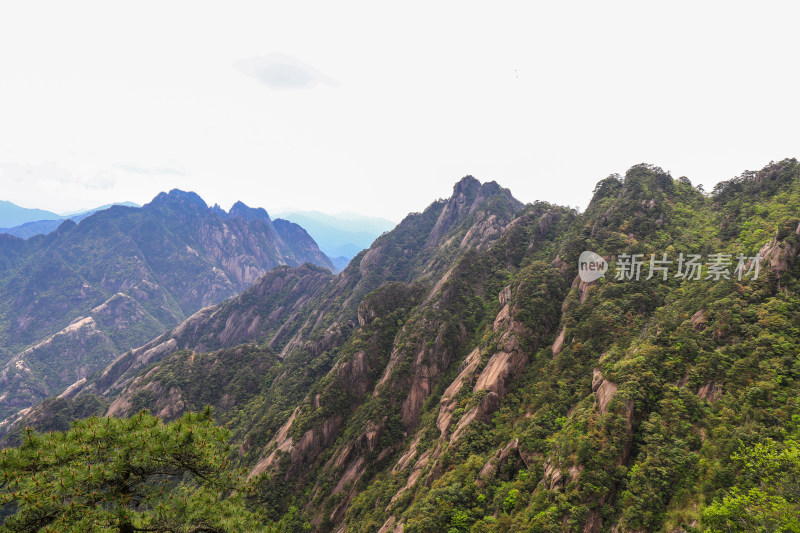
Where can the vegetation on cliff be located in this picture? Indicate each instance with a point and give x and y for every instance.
(460, 376)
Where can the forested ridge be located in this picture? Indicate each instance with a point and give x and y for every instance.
(460, 376)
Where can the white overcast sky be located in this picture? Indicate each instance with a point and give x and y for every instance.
(379, 108)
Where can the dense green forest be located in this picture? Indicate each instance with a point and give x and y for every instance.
(459, 376)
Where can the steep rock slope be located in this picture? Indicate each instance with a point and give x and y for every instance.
(73, 300)
(627, 419)
(411, 344)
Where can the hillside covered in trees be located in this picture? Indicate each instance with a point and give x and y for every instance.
(461, 376)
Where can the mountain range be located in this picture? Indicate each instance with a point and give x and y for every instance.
(340, 236)
(73, 300)
(462, 375)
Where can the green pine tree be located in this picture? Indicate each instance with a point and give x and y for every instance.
(126, 475)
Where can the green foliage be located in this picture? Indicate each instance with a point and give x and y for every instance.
(136, 474)
(766, 496)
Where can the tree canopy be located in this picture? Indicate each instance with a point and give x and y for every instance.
(126, 475)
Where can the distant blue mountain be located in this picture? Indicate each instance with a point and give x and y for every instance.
(340, 262)
(13, 215)
(342, 236)
(48, 222)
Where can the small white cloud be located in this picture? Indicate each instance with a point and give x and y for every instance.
(170, 170)
(134, 169)
(102, 180)
(279, 71)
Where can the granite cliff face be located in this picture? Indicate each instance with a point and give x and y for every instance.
(73, 300)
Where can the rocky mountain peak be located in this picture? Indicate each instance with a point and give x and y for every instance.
(471, 197)
(177, 198)
(65, 226)
(216, 209)
(241, 210)
(467, 186)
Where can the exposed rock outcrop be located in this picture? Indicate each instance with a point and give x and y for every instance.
(447, 403)
(779, 253)
(711, 391)
(604, 390)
